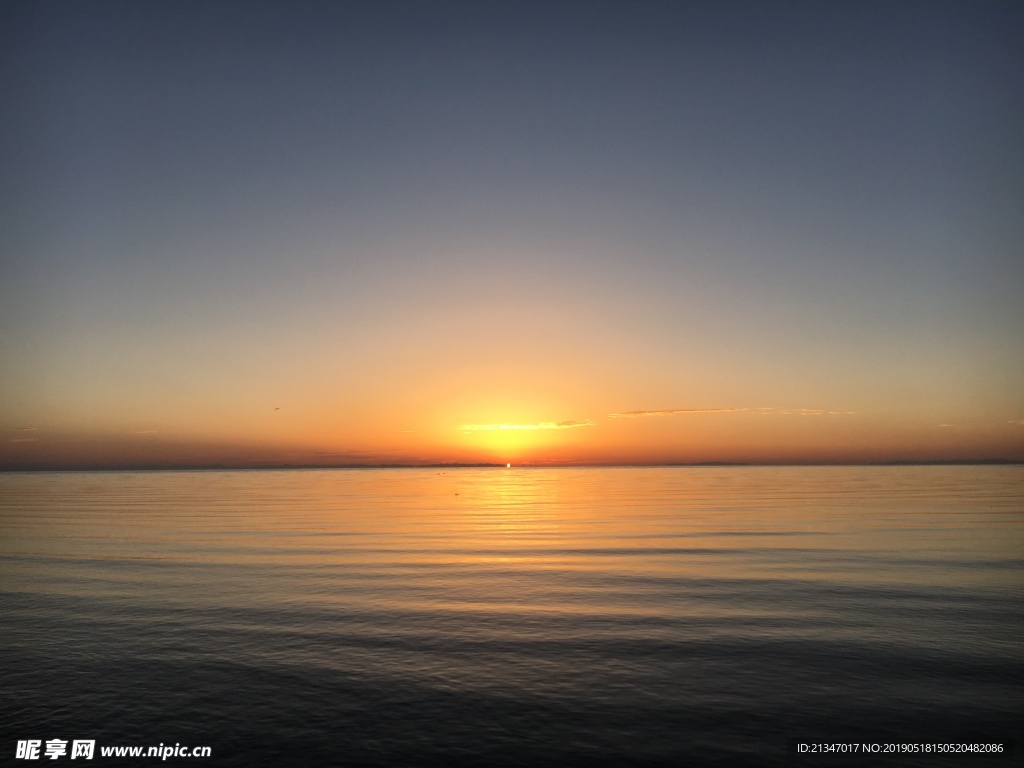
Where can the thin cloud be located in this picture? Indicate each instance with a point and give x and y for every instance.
(24, 440)
(24, 429)
(764, 411)
(770, 411)
(673, 412)
(362, 454)
(538, 425)
(1019, 422)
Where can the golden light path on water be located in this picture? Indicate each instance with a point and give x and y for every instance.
(510, 615)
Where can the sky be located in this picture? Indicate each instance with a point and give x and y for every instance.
(304, 233)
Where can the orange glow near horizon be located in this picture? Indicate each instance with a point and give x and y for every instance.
(741, 434)
(557, 389)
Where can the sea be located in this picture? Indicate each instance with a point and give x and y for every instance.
(653, 616)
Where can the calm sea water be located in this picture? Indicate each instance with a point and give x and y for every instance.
(613, 616)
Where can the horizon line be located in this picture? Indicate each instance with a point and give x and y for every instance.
(214, 467)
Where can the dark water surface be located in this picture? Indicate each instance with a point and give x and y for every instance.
(656, 616)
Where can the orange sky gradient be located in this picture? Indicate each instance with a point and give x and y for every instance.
(334, 234)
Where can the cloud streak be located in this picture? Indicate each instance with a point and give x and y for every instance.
(766, 411)
(673, 412)
(530, 427)
(802, 412)
(361, 454)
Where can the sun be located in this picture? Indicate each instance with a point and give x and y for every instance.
(512, 441)
(504, 444)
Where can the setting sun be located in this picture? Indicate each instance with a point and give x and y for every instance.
(502, 441)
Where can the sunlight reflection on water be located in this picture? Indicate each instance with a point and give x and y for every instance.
(653, 614)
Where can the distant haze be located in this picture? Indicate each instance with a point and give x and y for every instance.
(303, 233)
